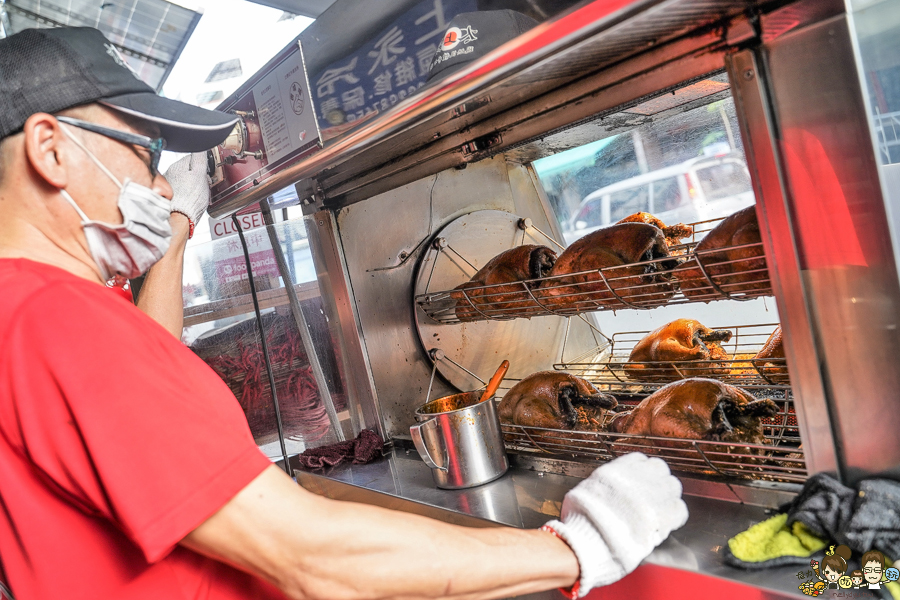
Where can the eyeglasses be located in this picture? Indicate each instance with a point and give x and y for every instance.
(154, 146)
(872, 570)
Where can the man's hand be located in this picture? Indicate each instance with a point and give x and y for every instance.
(613, 519)
(190, 185)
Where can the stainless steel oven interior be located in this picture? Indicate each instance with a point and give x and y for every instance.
(691, 110)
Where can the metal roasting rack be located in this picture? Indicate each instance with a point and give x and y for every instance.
(607, 367)
(701, 276)
(777, 461)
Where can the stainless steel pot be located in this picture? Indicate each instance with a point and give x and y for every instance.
(459, 437)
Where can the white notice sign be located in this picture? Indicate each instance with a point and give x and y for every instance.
(286, 117)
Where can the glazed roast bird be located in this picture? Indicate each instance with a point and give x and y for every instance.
(575, 283)
(673, 233)
(770, 361)
(506, 272)
(678, 350)
(698, 409)
(555, 400)
(731, 261)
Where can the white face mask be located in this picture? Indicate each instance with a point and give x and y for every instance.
(131, 248)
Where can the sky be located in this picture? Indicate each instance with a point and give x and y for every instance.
(228, 29)
(572, 158)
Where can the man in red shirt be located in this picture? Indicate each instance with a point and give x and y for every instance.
(127, 470)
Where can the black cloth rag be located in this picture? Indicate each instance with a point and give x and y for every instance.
(863, 519)
(365, 448)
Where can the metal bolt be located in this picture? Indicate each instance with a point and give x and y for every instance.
(748, 74)
(440, 243)
(524, 224)
(437, 354)
(403, 255)
(321, 222)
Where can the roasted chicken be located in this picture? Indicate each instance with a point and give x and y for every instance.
(698, 409)
(689, 345)
(673, 233)
(520, 264)
(555, 400)
(575, 281)
(770, 361)
(732, 261)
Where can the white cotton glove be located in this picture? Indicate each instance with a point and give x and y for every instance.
(190, 185)
(613, 519)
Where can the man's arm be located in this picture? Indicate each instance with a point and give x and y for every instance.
(311, 547)
(160, 295)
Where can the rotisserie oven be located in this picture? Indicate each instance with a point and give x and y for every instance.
(674, 218)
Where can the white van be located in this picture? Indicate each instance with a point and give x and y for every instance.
(695, 190)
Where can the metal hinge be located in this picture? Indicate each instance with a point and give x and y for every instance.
(470, 106)
(483, 143)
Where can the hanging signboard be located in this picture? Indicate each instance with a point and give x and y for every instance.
(384, 71)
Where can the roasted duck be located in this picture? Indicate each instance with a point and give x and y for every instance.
(517, 265)
(770, 361)
(732, 256)
(687, 343)
(575, 281)
(555, 400)
(673, 233)
(698, 409)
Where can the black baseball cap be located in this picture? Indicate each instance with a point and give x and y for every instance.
(471, 35)
(50, 70)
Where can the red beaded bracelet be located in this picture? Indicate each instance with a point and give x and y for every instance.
(572, 592)
(190, 223)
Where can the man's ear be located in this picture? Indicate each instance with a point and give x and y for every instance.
(47, 148)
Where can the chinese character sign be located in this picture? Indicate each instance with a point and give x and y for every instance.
(389, 68)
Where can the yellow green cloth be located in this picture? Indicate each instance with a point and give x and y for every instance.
(772, 538)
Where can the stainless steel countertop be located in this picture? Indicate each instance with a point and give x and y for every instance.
(527, 499)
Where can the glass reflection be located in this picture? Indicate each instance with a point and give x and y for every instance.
(220, 326)
(877, 29)
(684, 165)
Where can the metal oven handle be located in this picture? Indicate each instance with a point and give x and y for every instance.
(418, 439)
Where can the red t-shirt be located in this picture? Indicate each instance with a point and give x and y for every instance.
(115, 442)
